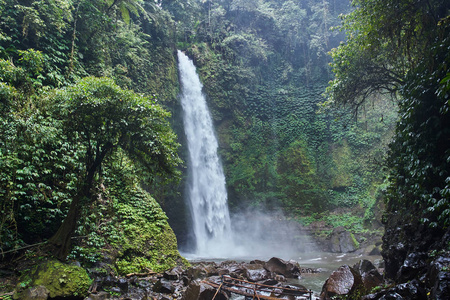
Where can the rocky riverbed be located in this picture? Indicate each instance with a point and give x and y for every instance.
(195, 282)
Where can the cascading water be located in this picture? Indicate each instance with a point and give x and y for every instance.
(255, 234)
(207, 192)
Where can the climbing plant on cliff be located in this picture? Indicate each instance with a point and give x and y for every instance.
(101, 117)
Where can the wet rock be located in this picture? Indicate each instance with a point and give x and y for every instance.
(173, 274)
(412, 290)
(201, 291)
(438, 278)
(294, 290)
(369, 274)
(391, 295)
(164, 286)
(98, 296)
(412, 265)
(35, 293)
(211, 269)
(342, 241)
(310, 270)
(137, 294)
(122, 284)
(222, 272)
(280, 278)
(257, 261)
(289, 269)
(143, 284)
(343, 281)
(202, 270)
(196, 272)
(272, 281)
(255, 272)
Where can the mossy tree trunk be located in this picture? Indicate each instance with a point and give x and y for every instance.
(60, 242)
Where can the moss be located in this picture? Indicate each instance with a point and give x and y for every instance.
(146, 240)
(60, 279)
(134, 235)
(355, 242)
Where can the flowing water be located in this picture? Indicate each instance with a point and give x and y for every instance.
(249, 233)
(254, 234)
(207, 192)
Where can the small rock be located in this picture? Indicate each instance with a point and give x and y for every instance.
(173, 274)
(255, 272)
(98, 296)
(35, 293)
(164, 286)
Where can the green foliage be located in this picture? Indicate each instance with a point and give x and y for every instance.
(419, 154)
(264, 71)
(127, 225)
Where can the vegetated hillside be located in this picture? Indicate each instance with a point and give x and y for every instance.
(74, 149)
(264, 65)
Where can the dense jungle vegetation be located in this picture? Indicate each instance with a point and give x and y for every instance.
(86, 87)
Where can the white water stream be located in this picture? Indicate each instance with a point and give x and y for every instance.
(207, 192)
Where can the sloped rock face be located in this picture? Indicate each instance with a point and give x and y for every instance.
(343, 281)
(342, 241)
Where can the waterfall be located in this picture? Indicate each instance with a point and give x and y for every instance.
(206, 191)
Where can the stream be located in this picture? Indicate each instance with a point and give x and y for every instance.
(325, 261)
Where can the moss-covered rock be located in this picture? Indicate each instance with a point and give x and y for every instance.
(146, 240)
(133, 236)
(61, 280)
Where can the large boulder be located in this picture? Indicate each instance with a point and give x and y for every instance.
(342, 241)
(289, 269)
(343, 281)
(61, 280)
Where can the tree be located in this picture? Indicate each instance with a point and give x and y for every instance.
(101, 117)
(402, 47)
(385, 40)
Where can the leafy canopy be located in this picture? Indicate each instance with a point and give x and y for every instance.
(385, 40)
(105, 117)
